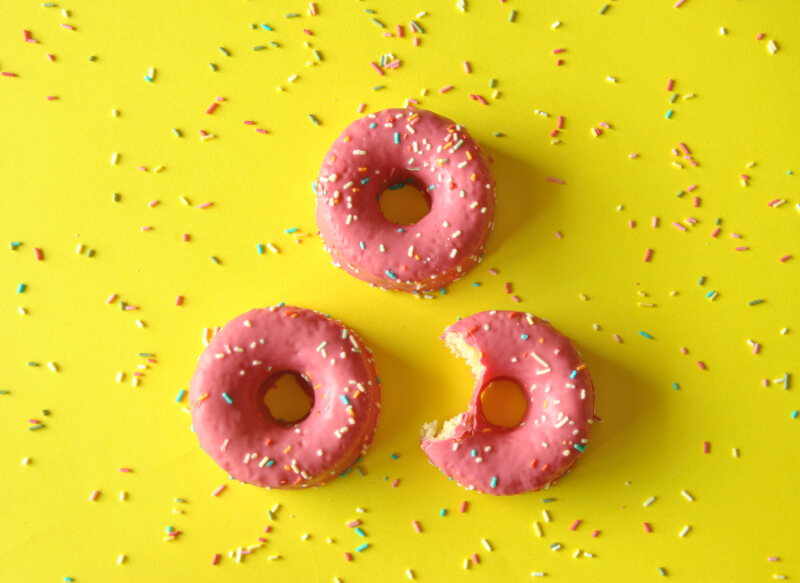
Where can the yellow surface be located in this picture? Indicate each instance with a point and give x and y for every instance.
(56, 183)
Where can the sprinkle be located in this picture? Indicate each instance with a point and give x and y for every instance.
(603, 9)
(463, 506)
(687, 495)
(313, 119)
(227, 398)
(645, 334)
(575, 525)
(669, 114)
(443, 512)
(486, 544)
(684, 531)
(120, 559)
(416, 526)
(362, 547)
(218, 490)
(754, 302)
(93, 495)
(494, 483)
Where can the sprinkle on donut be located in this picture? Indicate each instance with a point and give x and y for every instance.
(393, 148)
(233, 423)
(554, 430)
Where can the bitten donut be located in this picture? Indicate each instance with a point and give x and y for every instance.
(397, 147)
(235, 427)
(560, 406)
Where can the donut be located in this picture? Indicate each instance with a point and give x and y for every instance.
(234, 425)
(393, 148)
(554, 429)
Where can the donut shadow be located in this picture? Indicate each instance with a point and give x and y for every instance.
(631, 408)
(518, 197)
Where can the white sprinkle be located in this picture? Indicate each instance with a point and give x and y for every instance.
(120, 376)
(120, 559)
(292, 78)
(735, 452)
(612, 79)
(140, 323)
(722, 30)
(409, 573)
(537, 574)
(359, 152)
(453, 252)
(555, 25)
(272, 248)
(114, 161)
(649, 501)
(577, 554)
(684, 531)
(411, 251)
(122, 496)
(52, 366)
(546, 516)
(486, 544)
(687, 495)
(456, 234)
(25, 461)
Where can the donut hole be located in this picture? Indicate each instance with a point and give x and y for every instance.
(503, 403)
(404, 204)
(287, 397)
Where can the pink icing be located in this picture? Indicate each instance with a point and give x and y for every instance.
(257, 346)
(443, 162)
(529, 351)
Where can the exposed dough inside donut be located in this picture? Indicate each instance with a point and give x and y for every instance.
(458, 345)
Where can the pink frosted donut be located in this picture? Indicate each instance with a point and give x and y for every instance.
(555, 427)
(396, 147)
(235, 427)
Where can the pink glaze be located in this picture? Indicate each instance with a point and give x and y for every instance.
(424, 150)
(241, 361)
(555, 427)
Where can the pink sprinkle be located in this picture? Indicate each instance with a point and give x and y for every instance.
(554, 133)
(493, 271)
(348, 557)
(693, 163)
(617, 338)
(152, 203)
(764, 382)
(646, 527)
(756, 348)
(558, 234)
(131, 308)
(740, 248)
(445, 89)
(186, 236)
(204, 205)
(414, 101)
(218, 490)
(560, 122)
(51, 97)
(701, 365)
(556, 51)
(267, 528)
(247, 122)
(361, 107)
(387, 34)
(416, 41)
(631, 224)
(475, 558)
(771, 203)
(142, 168)
(137, 374)
(179, 300)
(684, 148)
(595, 533)
(376, 67)
(556, 180)
(515, 298)
(736, 236)
(674, 151)
(353, 523)
(219, 99)
(773, 559)
(760, 36)
(261, 131)
(67, 26)
(678, 226)
(678, 3)
(211, 108)
(395, 483)
(784, 258)
(508, 288)
(715, 232)
(4, 74)
(464, 506)
(634, 155)
(559, 62)
(416, 526)
(94, 495)
(26, 35)
(481, 100)
(176, 533)
(648, 255)
(745, 177)
(696, 201)
(691, 188)
(705, 447)
(684, 350)
(146, 228)
(312, 9)
(399, 31)
(308, 32)
(603, 124)
(669, 84)
(575, 525)
(34, 421)
(655, 222)
(50, 57)
(111, 298)
(466, 67)
(215, 559)
(125, 470)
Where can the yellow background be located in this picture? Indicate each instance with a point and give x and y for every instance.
(56, 185)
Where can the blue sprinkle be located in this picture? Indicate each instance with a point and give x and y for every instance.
(675, 386)
(754, 302)
(314, 119)
(494, 482)
(34, 427)
(169, 529)
(669, 114)
(475, 284)
(443, 290)
(361, 244)
(33, 364)
(148, 78)
(431, 187)
(794, 414)
(274, 44)
(443, 512)
(372, 126)
(681, 193)
(362, 547)
(378, 23)
(270, 463)
(365, 181)
(709, 294)
(474, 452)
(181, 393)
(345, 400)
(395, 456)
(580, 448)
(20, 288)
(227, 398)
(400, 230)
(603, 9)
(344, 473)
(265, 27)
(314, 187)
(397, 137)
(573, 374)
(390, 274)
(524, 336)
(224, 52)
(360, 532)
(260, 249)
(280, 305)
(291, 230)
(646, 335)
